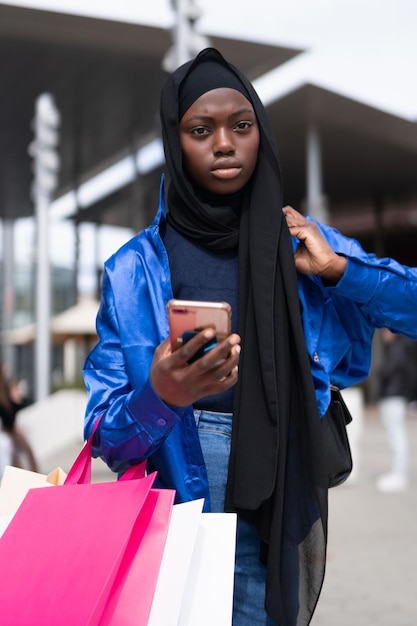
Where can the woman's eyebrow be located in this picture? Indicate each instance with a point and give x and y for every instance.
(244, 110)
(201, 116)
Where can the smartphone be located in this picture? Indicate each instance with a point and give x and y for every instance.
(188, 317)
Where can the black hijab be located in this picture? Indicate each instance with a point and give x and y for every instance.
(276, 477)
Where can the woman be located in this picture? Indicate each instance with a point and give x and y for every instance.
(241, 426)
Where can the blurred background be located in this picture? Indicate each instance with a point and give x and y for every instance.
(80, 151)
(80, 164)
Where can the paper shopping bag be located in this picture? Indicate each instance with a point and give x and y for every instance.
(69, 551)
(17, 481)
(195, 583)
(173, 574)
(208, 594)
(132, 594)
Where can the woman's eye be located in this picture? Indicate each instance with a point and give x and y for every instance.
(199, 131)
(243, 125)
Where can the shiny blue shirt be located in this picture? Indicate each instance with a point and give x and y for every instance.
(135, 424)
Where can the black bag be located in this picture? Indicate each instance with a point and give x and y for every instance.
(337, 452)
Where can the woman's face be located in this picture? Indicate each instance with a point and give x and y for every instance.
(220, 139)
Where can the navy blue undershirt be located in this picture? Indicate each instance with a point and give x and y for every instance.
(201, 274)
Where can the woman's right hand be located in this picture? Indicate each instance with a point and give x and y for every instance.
(180, 383)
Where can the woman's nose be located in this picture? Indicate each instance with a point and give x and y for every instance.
(223, 141)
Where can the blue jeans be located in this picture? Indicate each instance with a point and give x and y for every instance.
(250, 574)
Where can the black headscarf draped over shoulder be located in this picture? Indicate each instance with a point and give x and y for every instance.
(276, 475)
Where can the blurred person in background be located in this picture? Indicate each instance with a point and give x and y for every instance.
(11, 401)
(397, 382)
(6, 452)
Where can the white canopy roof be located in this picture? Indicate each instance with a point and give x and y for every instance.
(77, 321)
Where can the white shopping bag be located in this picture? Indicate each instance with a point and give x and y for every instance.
(16, 482)
(195, 584)
(208, 595)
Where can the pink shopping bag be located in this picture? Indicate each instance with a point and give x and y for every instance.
(85, 554)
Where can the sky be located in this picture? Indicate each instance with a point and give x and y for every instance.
(363, 49)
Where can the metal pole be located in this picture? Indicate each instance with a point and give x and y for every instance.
(181, 33)
(46, 161)
(43, 299)
(316, 205)
(186, 42)
(8, 355)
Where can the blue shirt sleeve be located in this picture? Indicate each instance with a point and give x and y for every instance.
(134, 421)
(385, 290)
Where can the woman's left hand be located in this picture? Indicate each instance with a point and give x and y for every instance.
(313, 256)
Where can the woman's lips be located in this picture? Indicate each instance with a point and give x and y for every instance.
(227, 172)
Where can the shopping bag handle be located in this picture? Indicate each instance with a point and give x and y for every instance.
(80, 472)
